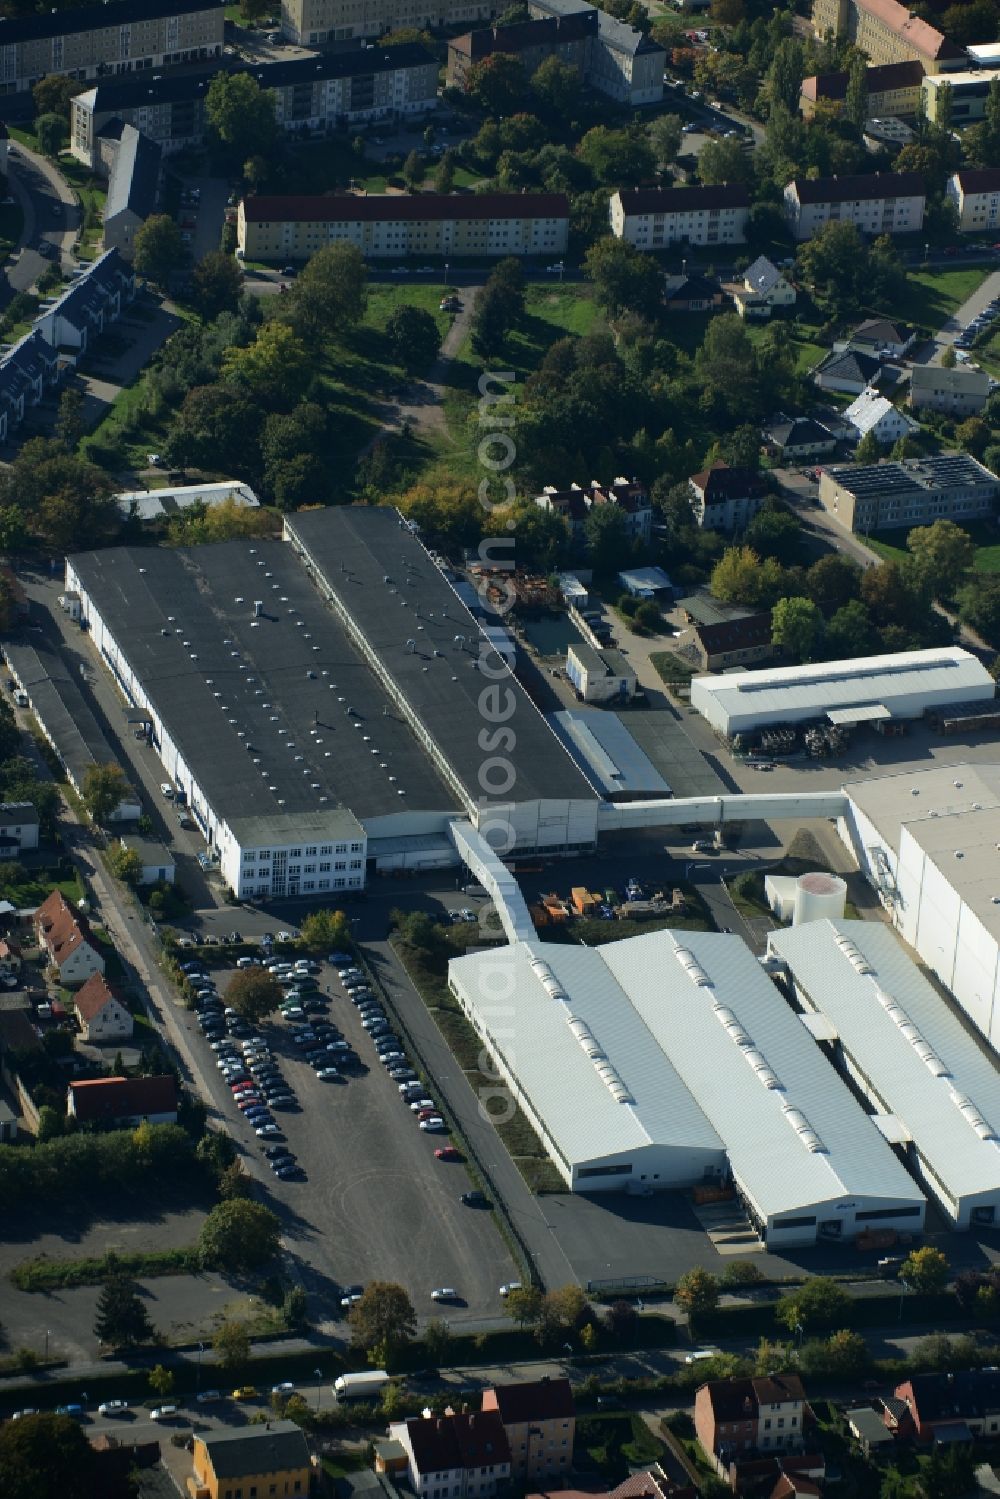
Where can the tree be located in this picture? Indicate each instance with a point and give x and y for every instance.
(797, 625)
(820, 1302)
(624, 278)
(869, 449)
(925, 1269)
(846, 1354)
(232, 1344)
(414, 169)
(556, 86)
(621, 1320)
(125, 864)
(832, 582)
(158, 249)
(242, 114)
(973, 435)
(775, 532)
(499, 307)
(665, 136)
(437, 1341)
(413, 336)
(254, 10)
(122, 1320)
(856, 100)
(724, 161)
(444, 173)
(524, 1306)
(329, 295)
(617, 158)
(697, 1291)
(740, 1273)
(949, 358)
(161, 1381)
(608, 540)
(216, 285)
(53, 93)
(735, 576)
(944, 553)
(234, 1182)
(978, 604)
(384, 1319)
(276, 369)
(325, 931)
(51, 132)
(238, 1235)
(69, 422)
(216, 427)
(784, 77)
(849, 632)
(46, 1454)
(104, 790)
(498, 84)
(254, 994)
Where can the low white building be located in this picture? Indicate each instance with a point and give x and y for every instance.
(155, 859)
(670, 1058)
(927, 840)
(101, 1014)
(652, 218)
(875, 202)
(935, 1093)
(600, 676)
(159, 504)
(19, 825)
(873, 415)
(901, 686)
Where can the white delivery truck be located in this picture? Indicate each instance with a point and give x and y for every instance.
(366, 1386)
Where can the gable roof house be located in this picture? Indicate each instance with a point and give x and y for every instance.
(539, 1418)
(724, 498)
(762, 289)
(575, 504)
(881, 336)
(848, 370)
(19, 824)
(961, 391)
(89, 305)
(873, 413)
(951, 1407)
(692, 293)
(247, 1460)
(27, 368)
(792, 438)
(893, 89)
(102, 1016)
(730, 642)
(744, 1418)
(123, 1102)
(132, 188)
(65, 936)
(875, 202)
(458, 1454)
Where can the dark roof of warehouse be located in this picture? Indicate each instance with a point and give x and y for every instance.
(355, 549)
(96, 18)
(282, 700)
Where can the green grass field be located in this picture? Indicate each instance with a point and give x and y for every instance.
(930, 297)
(987, 545)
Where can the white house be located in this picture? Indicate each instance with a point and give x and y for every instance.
(654, 217)
(961, 391)
(458, 1454)
(975, 192)
(102, 1016)
(156, 861)
(873, 413)
(19, 824)
(65, 937)
(762, 289)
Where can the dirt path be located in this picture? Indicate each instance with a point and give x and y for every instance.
(421, 402)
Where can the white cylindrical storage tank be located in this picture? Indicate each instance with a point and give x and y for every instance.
(819, 897)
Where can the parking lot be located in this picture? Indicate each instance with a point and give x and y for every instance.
(373, 1201)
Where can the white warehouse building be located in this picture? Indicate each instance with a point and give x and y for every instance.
(900, 686)
(935, 1092)
(669, 1059)
(929, 841)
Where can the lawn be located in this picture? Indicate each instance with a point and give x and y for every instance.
(384, 298)
(931, 297)
(93, 195)
(984, 537)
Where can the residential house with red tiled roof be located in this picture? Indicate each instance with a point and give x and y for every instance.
(725, 498)
(455, 1454)
(65, 936)
(123, 1101)
(574, 504)
(539, 1417)
(101, 1014)
(747, 1418)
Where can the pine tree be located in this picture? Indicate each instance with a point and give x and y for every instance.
(122, 1321)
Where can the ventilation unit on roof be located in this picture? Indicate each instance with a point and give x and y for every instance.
(853, 954)
(803, 1129)
(973, 1117)
(692, 967)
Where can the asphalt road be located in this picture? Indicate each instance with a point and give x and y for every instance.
(51, 215)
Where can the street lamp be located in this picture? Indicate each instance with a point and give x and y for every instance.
(319, 1386)
(201, 1350)
(903, 1288)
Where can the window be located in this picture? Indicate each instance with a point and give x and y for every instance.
(324, 868)
(356, 848)
(295, 853)
(311, 852)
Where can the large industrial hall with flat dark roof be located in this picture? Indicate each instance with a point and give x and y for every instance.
(327, 703)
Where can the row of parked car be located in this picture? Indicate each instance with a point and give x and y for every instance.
(979, 324)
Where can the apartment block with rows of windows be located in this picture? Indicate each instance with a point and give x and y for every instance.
(93, 41)
(651, 218)
(313, 22)
(398, 225)
(876, 203)
(975, 193)
(887, 32)
(866, 497)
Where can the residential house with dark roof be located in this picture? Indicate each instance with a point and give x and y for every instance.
(793, 438)
(893, 89)
(123, 1102)
(746, 1418)
(88, 306)
(567, 37)
(961, 391)
(401, 224)
(692, 293)
(958, 1406)
(882, 337)
(539, 1418)
(455, 1454)
(848, 370)
(132, 188)
(653, 218)
(574, 504)
(19, 825)
(975, 192)
(102, 1016)
(64, 934)
(730, 643)
(27, 370)
(726, 498)
(875, 202)
(248, 1461)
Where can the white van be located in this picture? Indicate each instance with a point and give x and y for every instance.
(701, 1353)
